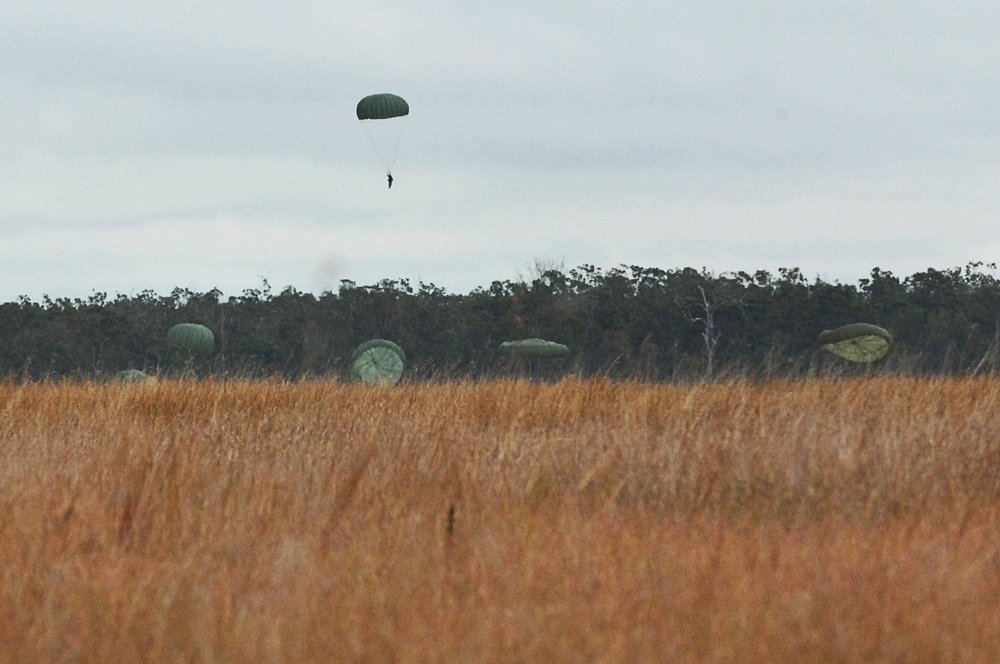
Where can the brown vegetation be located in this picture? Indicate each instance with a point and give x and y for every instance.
(584, 520)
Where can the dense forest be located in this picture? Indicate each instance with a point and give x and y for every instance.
(625, 322)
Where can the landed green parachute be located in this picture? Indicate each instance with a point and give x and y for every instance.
(538, 349)
(378, 361)
(857, 342)
(191, 337)
(132, 376)
(383, 117)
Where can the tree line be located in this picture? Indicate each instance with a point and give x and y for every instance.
(624, 322)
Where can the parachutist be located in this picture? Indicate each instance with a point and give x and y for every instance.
(383, 116)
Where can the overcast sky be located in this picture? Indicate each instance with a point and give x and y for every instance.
(213, 143)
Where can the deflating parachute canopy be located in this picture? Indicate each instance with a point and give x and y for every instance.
(383, 117)
(191, 337)
(378, 361)
(857, 342)
(535, 349)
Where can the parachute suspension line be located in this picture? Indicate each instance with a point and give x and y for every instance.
(385, 136)
(401, 121)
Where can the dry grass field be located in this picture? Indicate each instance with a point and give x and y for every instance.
(827, 520)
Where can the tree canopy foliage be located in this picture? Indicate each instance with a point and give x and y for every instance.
(627, 322)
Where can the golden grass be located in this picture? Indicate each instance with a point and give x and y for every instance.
(504, 521)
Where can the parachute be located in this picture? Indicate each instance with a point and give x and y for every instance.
(132, 376)
(539, 349)
(191, 337)
(383, 117)
(857, 342)
(378, 361)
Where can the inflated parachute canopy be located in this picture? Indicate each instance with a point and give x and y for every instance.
(378, 361)
(191, 337)
(382, 107)
(539, 349)
(857, 342)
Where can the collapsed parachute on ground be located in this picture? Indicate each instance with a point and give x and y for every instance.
(378, 361)
(538, 349)
(857, 342)
(132, 376)
(191, 337)
(383, 117)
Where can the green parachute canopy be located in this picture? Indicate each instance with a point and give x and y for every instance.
(857, 342)
(132, 376)
(378, 361)
(539, 349)
(383, 117)
(382, 107)
(191, 337)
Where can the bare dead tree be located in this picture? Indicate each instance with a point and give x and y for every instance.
(702, 310)
(992, 354)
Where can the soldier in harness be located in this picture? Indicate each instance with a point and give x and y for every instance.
(390, 179)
